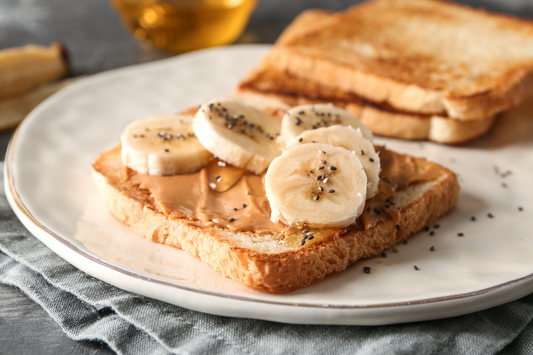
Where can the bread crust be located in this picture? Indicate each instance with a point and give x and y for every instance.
(381, 121)
(274, 272)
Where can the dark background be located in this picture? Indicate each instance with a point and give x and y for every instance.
(96, 41)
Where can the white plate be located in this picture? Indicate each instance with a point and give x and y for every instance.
(49, 187)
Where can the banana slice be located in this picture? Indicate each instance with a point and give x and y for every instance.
(163, 145)
(353, 140)
(307, 117)
(238, 134)
(317, 185)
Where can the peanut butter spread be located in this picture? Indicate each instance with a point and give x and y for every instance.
(224, 196)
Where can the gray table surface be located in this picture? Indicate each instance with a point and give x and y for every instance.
(96, 42)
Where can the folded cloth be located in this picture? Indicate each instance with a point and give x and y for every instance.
(90, 309)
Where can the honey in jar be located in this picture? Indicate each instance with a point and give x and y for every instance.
(185, 25)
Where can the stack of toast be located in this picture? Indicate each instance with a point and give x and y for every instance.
(411, 69)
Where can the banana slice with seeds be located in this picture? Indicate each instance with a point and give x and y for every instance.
(238, 134)
(317, 185)
(309, 117)
(353, 140)
(163, 145)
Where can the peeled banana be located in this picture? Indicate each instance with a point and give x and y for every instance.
(163, 145)
(310, 117)
(238, 134)
(317, 185)
(353, 140)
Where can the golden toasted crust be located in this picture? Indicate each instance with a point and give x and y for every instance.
(424, 56)
(24, 68)
(385, 121)
(275, 272)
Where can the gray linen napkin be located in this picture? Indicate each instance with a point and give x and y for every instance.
(87, 308)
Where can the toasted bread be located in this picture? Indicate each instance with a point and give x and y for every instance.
(425, 56)
(265, 261)
(24, 68)
(268, 84)
(269, 81)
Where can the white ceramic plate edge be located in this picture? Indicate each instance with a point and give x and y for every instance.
(209, 302)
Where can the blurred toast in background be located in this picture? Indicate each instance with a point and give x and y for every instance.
(422, 69)
(28, 75)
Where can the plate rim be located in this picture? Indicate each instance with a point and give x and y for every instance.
(19, 207)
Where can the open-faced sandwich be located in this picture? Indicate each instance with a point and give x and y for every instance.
(275, 202)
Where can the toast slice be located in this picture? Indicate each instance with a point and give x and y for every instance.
(278, 263)
(269, 84)
(426, 56)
